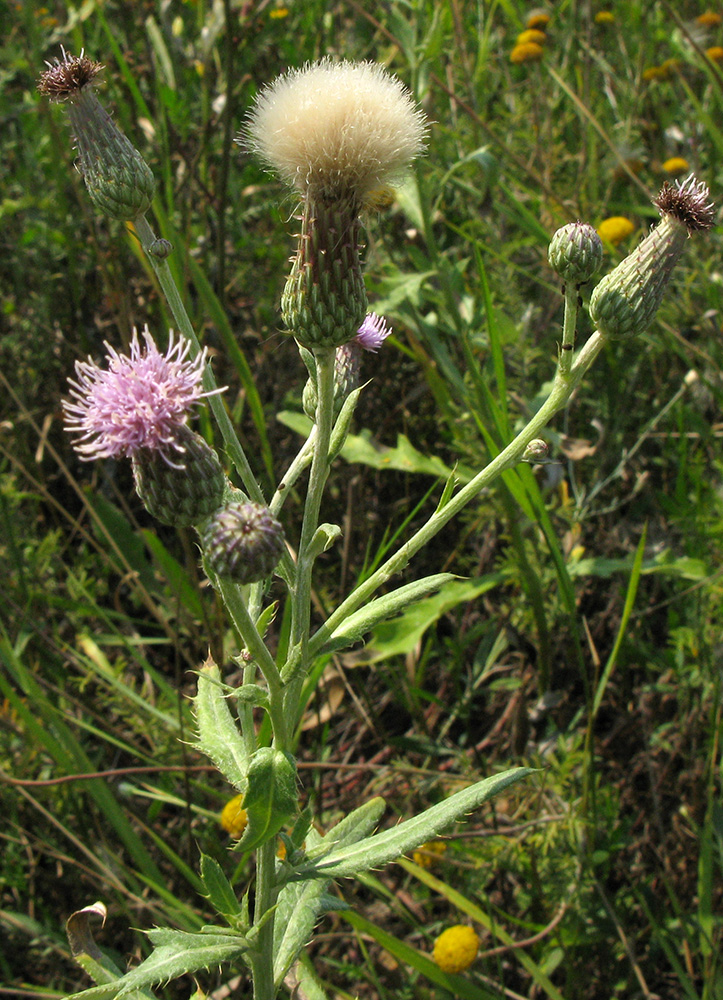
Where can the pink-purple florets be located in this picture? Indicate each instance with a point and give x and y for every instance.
(372, 333)
(137, 403)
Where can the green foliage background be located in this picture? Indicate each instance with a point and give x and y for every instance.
(587, 638)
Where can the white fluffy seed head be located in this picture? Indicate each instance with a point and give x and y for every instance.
(336, 131)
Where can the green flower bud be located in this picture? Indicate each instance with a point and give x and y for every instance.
(624, 303)
(243, 542)
(119, 181)
(180, 495)
(325, 301)
(576, 252)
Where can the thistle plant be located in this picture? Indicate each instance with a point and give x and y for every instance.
(334, 133)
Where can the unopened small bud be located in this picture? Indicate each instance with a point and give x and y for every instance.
(243, 542)
(576, 252)
(536, 451)
(160, 248)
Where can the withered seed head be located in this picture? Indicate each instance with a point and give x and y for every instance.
(688, 203)
(65, 78)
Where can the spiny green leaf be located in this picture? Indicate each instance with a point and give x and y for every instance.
(220, 891)
(270, 799)
(218, 734)
(391, 844)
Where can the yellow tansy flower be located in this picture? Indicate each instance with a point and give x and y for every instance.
(615, 229)
(676, 165)
(233, 818)
(671, 66)
(426, 855)
(604, 17)
(715, 54)
(532, 35)
(708, 19)
(529, 52)
(537, 19)
(278, 13)
(456, 948)
(655, 73)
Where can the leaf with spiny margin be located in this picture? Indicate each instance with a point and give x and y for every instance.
(220, 892)
(175, 954)
(219, 737)
(270, 799)
(381, 848)
(357, 625)
(301, 904)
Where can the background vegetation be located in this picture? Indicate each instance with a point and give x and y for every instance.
(585, 634)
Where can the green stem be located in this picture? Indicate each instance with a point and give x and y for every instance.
(246, 713)
(293, 472)
(262, 956)
(168, 286)
(258, 649)
(301, 601)
(562, 388)
(569, 325)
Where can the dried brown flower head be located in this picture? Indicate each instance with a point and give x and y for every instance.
(65, 78)
(688, 203)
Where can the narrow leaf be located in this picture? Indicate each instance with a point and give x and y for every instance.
(356, 626)
(220, 891)
(180, 953)
(391, 844)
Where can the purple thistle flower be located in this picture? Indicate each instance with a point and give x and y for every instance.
(138, 403)
(372, 333)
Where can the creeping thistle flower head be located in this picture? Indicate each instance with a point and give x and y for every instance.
(119, 181)
(138, 408)
(347, 363)
(624, 303)
(138, 403)
(372, 333)
(336, 131)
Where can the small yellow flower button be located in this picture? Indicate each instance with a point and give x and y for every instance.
(456, 948)
(676, 165)
(615, 229)
(233, 818)
(527, 52)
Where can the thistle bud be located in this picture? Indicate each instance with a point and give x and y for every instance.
(119, 181)
(625, 301)
(243, 542)
(324, 300)
(180, 494)
(536, 451)
(576, 252)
